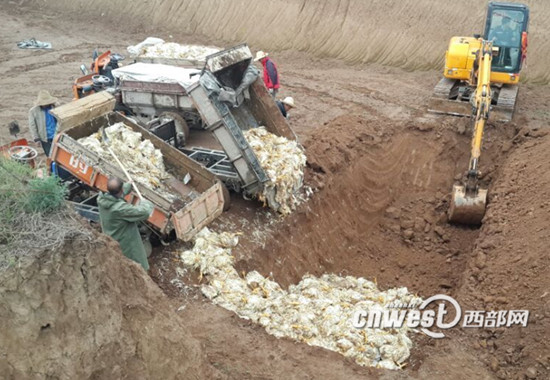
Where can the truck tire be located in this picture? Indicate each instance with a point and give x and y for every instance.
(148, 247)
(226, 198)
(182, 129)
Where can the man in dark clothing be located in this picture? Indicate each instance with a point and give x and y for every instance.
(42, 124)
(508, 37)
(120, 219)
(285, 105)
(271, 75)
(507, 33)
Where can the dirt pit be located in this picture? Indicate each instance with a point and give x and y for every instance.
(379, 209)
(381, 192)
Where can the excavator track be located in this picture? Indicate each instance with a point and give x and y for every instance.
(506, 103)
(442, 101)
(448, 98)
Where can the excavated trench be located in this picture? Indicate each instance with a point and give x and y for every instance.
(379, 208)
(378, 211)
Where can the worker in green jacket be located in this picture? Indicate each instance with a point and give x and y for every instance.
(120, 219)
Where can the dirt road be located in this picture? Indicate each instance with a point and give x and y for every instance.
(382, 169)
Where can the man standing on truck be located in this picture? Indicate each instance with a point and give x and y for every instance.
(120, 220)
(42, 124)
(271, 75)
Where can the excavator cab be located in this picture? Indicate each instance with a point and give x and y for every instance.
(506, 27)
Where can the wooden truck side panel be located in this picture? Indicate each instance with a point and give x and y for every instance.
(266, 112)
(94, 171)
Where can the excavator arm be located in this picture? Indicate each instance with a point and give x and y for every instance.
(468, 199)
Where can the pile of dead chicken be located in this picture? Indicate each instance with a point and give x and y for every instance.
(139, 156)
(178, 51)
(317, 311)
(283, 161)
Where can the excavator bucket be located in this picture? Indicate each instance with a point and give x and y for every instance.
(467, 209)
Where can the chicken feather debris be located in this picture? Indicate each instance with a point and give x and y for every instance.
(317, 311)
(139, 156)
(283, 161)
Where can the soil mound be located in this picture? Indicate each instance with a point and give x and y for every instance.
(87, 312)
(508, 266)
(412, 33)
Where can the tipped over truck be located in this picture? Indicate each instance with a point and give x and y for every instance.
(198, 196)
(212, 108)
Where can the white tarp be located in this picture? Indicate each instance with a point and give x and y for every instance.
(136, 50)
(155, 72)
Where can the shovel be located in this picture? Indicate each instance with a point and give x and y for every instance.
(108, 142)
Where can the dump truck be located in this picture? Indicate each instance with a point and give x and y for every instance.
(157, 91)
(201, 195)
(157, 96)
(231, 98)
(225, 98)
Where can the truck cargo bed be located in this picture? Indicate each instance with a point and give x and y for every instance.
(149, 92)
(181, 62)
(186, 217)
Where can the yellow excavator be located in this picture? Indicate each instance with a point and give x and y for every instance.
(481, 76)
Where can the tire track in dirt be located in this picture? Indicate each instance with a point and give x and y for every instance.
(74, 54)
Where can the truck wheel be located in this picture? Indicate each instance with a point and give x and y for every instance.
(226, 198)
(182, 129)
(148, 247)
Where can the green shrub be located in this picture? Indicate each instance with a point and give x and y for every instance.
(45, 195)
(23, 195)
(33, 215)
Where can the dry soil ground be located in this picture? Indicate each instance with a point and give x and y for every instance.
(381, 168)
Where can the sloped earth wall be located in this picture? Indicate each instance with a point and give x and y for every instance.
(412, 34)
(382, 192)
(87, 312)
